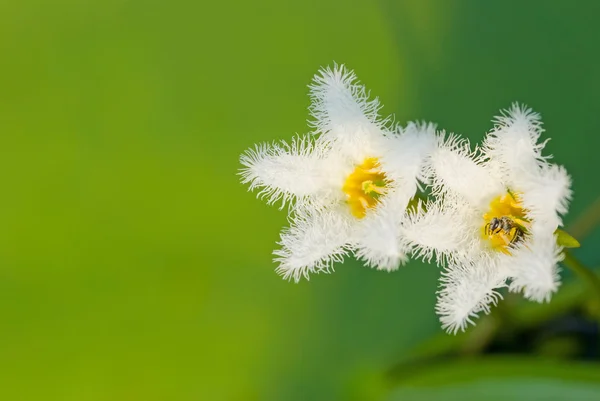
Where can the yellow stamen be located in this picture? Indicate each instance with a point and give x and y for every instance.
(369, 186)
(364, 186)
(508, 210)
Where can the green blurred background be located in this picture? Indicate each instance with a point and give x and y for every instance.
(135, 266)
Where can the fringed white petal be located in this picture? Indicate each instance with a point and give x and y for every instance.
(442, 232)
(313, 243)
(343, 112)
(455, 169)
(534, 268)
(289, 171)
(545, 194)
(404, 153)
(467, 289)
(377, 240)
(513, 143)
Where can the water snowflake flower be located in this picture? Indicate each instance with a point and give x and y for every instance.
(493, 219)
(347, 184)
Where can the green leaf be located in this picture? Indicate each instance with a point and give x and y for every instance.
(461, 370)
(502, 390)
(500, 378)
(565, 239)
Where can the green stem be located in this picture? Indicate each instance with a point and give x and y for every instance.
(584, 272)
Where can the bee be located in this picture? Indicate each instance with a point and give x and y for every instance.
(507, 226)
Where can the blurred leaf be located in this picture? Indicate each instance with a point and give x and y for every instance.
(565, 239)
(502, 390)
(501, 378)
(507, 368)
(570, 295)
(522, 314)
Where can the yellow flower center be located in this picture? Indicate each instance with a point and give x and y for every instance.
(364, 186)
(505, 223)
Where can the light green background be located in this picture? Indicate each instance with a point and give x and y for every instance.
(134, 266)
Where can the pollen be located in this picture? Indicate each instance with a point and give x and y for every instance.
(364, 186)
(505, 223)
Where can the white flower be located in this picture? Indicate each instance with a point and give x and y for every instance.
(493, 219)
(347, 184)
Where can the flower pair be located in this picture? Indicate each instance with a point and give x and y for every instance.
(357, 184)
